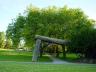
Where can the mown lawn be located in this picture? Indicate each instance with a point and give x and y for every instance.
(71, 57)
(13, 55)
(14, 61)
(19, 56)
(32, 67)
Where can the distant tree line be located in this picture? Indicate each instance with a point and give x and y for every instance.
(4, 42)
(62, 23)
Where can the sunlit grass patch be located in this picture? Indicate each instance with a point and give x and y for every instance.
(32, 67)
(13, 55)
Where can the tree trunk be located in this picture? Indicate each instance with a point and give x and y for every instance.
(57, 52)
(41, 50)
(64, 52)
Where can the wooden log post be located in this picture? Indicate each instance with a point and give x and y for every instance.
(41, 50)
(64, 52)
(57, 52)
(36, 51)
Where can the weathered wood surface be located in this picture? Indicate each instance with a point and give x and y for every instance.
(52, 40)
(39, 38)
(36, 51)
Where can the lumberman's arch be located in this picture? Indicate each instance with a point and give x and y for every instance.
(39, 40)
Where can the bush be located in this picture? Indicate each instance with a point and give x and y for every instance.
(85, 43)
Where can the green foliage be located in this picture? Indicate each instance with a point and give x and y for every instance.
(63, 23)
(15, 30)
(2, 39)
(85, 42)
(52, 22)
(8, 44)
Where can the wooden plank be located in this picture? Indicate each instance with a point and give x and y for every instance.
(52, 40)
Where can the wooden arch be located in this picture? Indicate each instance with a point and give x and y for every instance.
(39, 40)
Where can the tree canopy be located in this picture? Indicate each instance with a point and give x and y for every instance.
(62, 23)
(2, 39)
(52, 22)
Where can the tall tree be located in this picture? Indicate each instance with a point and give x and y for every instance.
(8, 44)
(53, 22)
(2, 39)
(15, 30)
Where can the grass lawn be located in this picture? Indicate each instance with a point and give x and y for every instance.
(12, 55)
(45, 58)
(31, 67)
(13, 61)
(71, 57)
(20, 56)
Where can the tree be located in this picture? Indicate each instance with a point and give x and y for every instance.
(8, 44)
(63, 23)
(85, 43)
(2, 39)
(15, 30)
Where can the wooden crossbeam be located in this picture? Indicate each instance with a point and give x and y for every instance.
(52, 40)
(39, 39)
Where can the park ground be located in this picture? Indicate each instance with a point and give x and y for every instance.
(19, 61)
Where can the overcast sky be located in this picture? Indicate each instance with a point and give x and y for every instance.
(9, 9)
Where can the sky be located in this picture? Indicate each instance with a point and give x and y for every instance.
(9, 9)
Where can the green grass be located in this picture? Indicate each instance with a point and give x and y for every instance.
(45, 58)
(12, 55)
(32, 67)
(20, 56)
(14, 61)
(69, 57)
